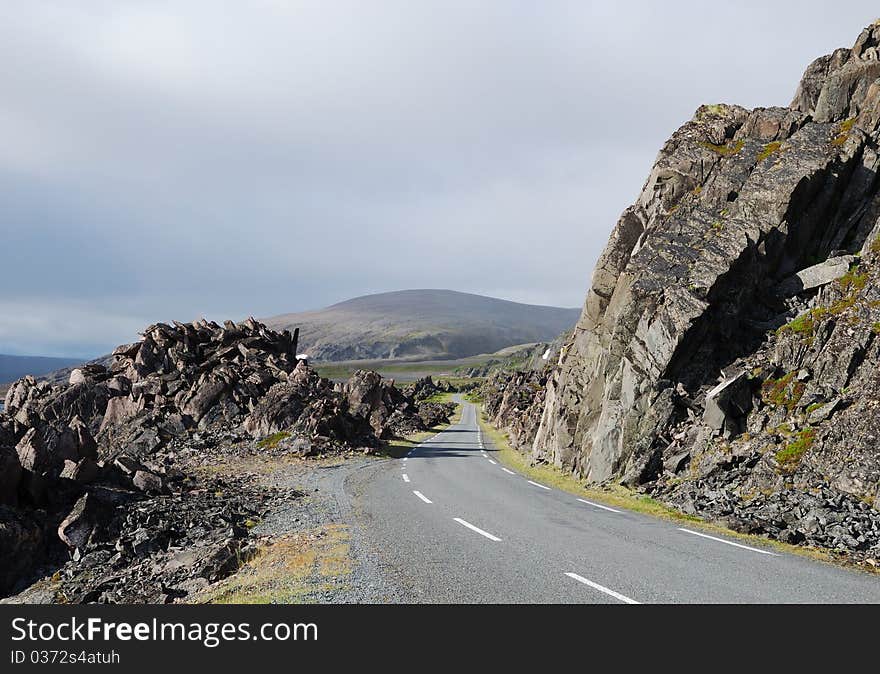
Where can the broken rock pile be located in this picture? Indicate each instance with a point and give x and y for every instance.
(98, 474)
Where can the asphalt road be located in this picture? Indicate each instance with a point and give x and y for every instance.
(453, 525)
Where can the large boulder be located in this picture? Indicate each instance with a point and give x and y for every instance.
(44, 450)
(728, 404)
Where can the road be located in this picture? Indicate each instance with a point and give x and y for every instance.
(453, 525)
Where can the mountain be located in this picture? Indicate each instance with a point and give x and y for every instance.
(15, 367)
(728, 353)
(421, 324)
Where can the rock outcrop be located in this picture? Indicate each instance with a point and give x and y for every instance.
(514, 402)
(730, 332)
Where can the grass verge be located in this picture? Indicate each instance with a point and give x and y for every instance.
(627, 499)
(289, 569)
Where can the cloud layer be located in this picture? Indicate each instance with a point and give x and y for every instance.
(163, 160)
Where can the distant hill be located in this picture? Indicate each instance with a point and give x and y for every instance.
(422, 324)
(16, 367)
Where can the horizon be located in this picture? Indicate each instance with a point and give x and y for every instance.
(103, 352)
(317, 153)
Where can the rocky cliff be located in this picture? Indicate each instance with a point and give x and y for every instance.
(728, 351)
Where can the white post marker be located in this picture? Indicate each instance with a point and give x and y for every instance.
(721, 540)
(477, 529)
(598, 505)
(422, 496)
(602, 588)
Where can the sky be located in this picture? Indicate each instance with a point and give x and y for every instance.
(172, 160)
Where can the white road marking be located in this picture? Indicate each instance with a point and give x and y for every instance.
(422, 496)
(538, 485)
(492, 462)
(405, 458)
(507, 470)
(477, 529)
(721, 540)
(405, 477)
(598, 505)
(602, 588)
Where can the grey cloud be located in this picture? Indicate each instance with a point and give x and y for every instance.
(165, 160)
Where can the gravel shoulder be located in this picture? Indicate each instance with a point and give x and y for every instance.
(314, 547)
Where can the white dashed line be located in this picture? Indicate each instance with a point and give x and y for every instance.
(492, 462)
(405, 477)
(538, 485)
(602, 588)
(598, 505)
(508, 471)
(422, 496)
(477, 529)
(721, 540)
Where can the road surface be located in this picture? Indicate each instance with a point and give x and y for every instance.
(453, 525)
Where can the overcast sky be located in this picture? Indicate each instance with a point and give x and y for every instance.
(168, 160)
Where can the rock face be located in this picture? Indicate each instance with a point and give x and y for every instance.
(514, 401)
(736, 299)
(80, 463)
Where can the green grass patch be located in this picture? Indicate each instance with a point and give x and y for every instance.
(783, 392)
(272, 441)
(804, 325)
(789, 457)
(853, 281)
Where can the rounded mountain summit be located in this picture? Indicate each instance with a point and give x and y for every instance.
(422, 324)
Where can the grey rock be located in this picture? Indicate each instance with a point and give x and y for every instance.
(727, 405)
(147, 482)
(816, 276)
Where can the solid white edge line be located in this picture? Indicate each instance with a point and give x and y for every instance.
(422, 496)
(721, 540)
(405, 477)
(598, 505)
(538, 485)
(507, 470)
(477, 529)
(602, 588)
